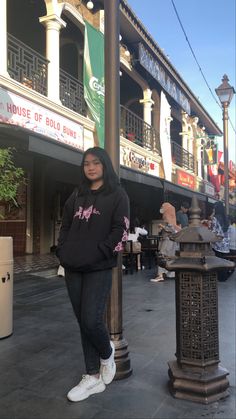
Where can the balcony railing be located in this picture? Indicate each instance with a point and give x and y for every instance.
(27, 66)
(72, 93)
(136, 130)
(182, 157)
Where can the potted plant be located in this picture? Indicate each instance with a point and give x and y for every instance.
(10, 179)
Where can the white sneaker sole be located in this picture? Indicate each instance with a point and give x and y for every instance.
(97, 389)
(109, 380)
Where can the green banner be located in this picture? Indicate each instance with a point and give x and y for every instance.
(94, 86)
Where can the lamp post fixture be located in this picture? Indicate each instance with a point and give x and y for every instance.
(225, 93)
(112, 146)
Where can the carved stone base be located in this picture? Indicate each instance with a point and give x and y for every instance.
(123, 368)
(201, 385)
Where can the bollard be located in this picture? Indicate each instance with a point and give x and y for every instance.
(196, 374)
(6, 286)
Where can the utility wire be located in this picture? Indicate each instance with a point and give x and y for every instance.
(193, 53)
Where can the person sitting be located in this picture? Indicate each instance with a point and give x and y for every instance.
(134, 233)
(136, 230)
(167, 247)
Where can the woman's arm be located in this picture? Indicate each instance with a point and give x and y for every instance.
(67, 218)
(119, 228)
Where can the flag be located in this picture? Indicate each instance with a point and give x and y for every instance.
(210, 154)
(165, 118)
(94, 85)
(213, 172)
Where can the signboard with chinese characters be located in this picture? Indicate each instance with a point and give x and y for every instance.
(209, 189)
(16, 110)
(138, 160)
(158, 72)
(185, 179)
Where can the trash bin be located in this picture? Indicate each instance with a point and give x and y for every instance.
(6, 286)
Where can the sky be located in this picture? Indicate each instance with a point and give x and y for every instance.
(210, 29)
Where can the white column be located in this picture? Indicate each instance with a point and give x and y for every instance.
(53, 24)
(199, 160)
(147, 106)
(190, 139)
(3, 38)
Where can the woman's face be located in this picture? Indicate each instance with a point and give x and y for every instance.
(93, 169)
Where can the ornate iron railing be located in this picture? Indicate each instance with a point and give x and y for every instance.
(27, 66)
(72, 93)
(182, 157)
(138, 131)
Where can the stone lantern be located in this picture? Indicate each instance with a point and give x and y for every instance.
(196, 374)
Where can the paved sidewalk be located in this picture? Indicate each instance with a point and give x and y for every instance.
(42, 360)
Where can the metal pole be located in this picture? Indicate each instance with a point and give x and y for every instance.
(112, 146)
(226, 160)
(112, 81)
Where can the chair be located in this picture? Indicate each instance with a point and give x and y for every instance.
(131, 258)
(150, 249)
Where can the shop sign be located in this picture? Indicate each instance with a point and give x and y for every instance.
(19, 111)
(158, 72)
(209, 189)
(137, 161)
(185, 179)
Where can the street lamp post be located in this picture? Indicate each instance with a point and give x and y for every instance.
(225, 93)
(112, 146)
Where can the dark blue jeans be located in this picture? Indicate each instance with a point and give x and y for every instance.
(88, 293)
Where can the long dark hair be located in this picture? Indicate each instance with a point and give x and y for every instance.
(221, 216)
(110, 178)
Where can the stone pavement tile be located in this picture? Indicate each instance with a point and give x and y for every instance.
(134, 402)
(26, 404)
(43, 358)
(113, 414)
(173, 408)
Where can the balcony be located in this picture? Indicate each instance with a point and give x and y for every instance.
(27, 66)
(138, 131)
(30, 68)
(182, 157)
(72, 93)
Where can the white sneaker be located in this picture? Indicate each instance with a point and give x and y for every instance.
(108, 367)
(87, 386)
(60, 271)
(158, 278)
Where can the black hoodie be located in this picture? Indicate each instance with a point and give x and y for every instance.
(93, 229)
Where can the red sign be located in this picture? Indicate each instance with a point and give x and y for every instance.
(185, 179)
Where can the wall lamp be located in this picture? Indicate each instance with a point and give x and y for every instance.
(90, 5)
(94, 6)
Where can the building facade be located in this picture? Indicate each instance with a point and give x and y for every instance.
(43, 115)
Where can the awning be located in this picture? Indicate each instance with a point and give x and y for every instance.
(54, 150)
(212, 200)
(180, 190)
(39, 144)
(138, 177)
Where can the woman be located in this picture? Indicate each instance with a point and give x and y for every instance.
(94, 225)
(220, 226)
(167, 247)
